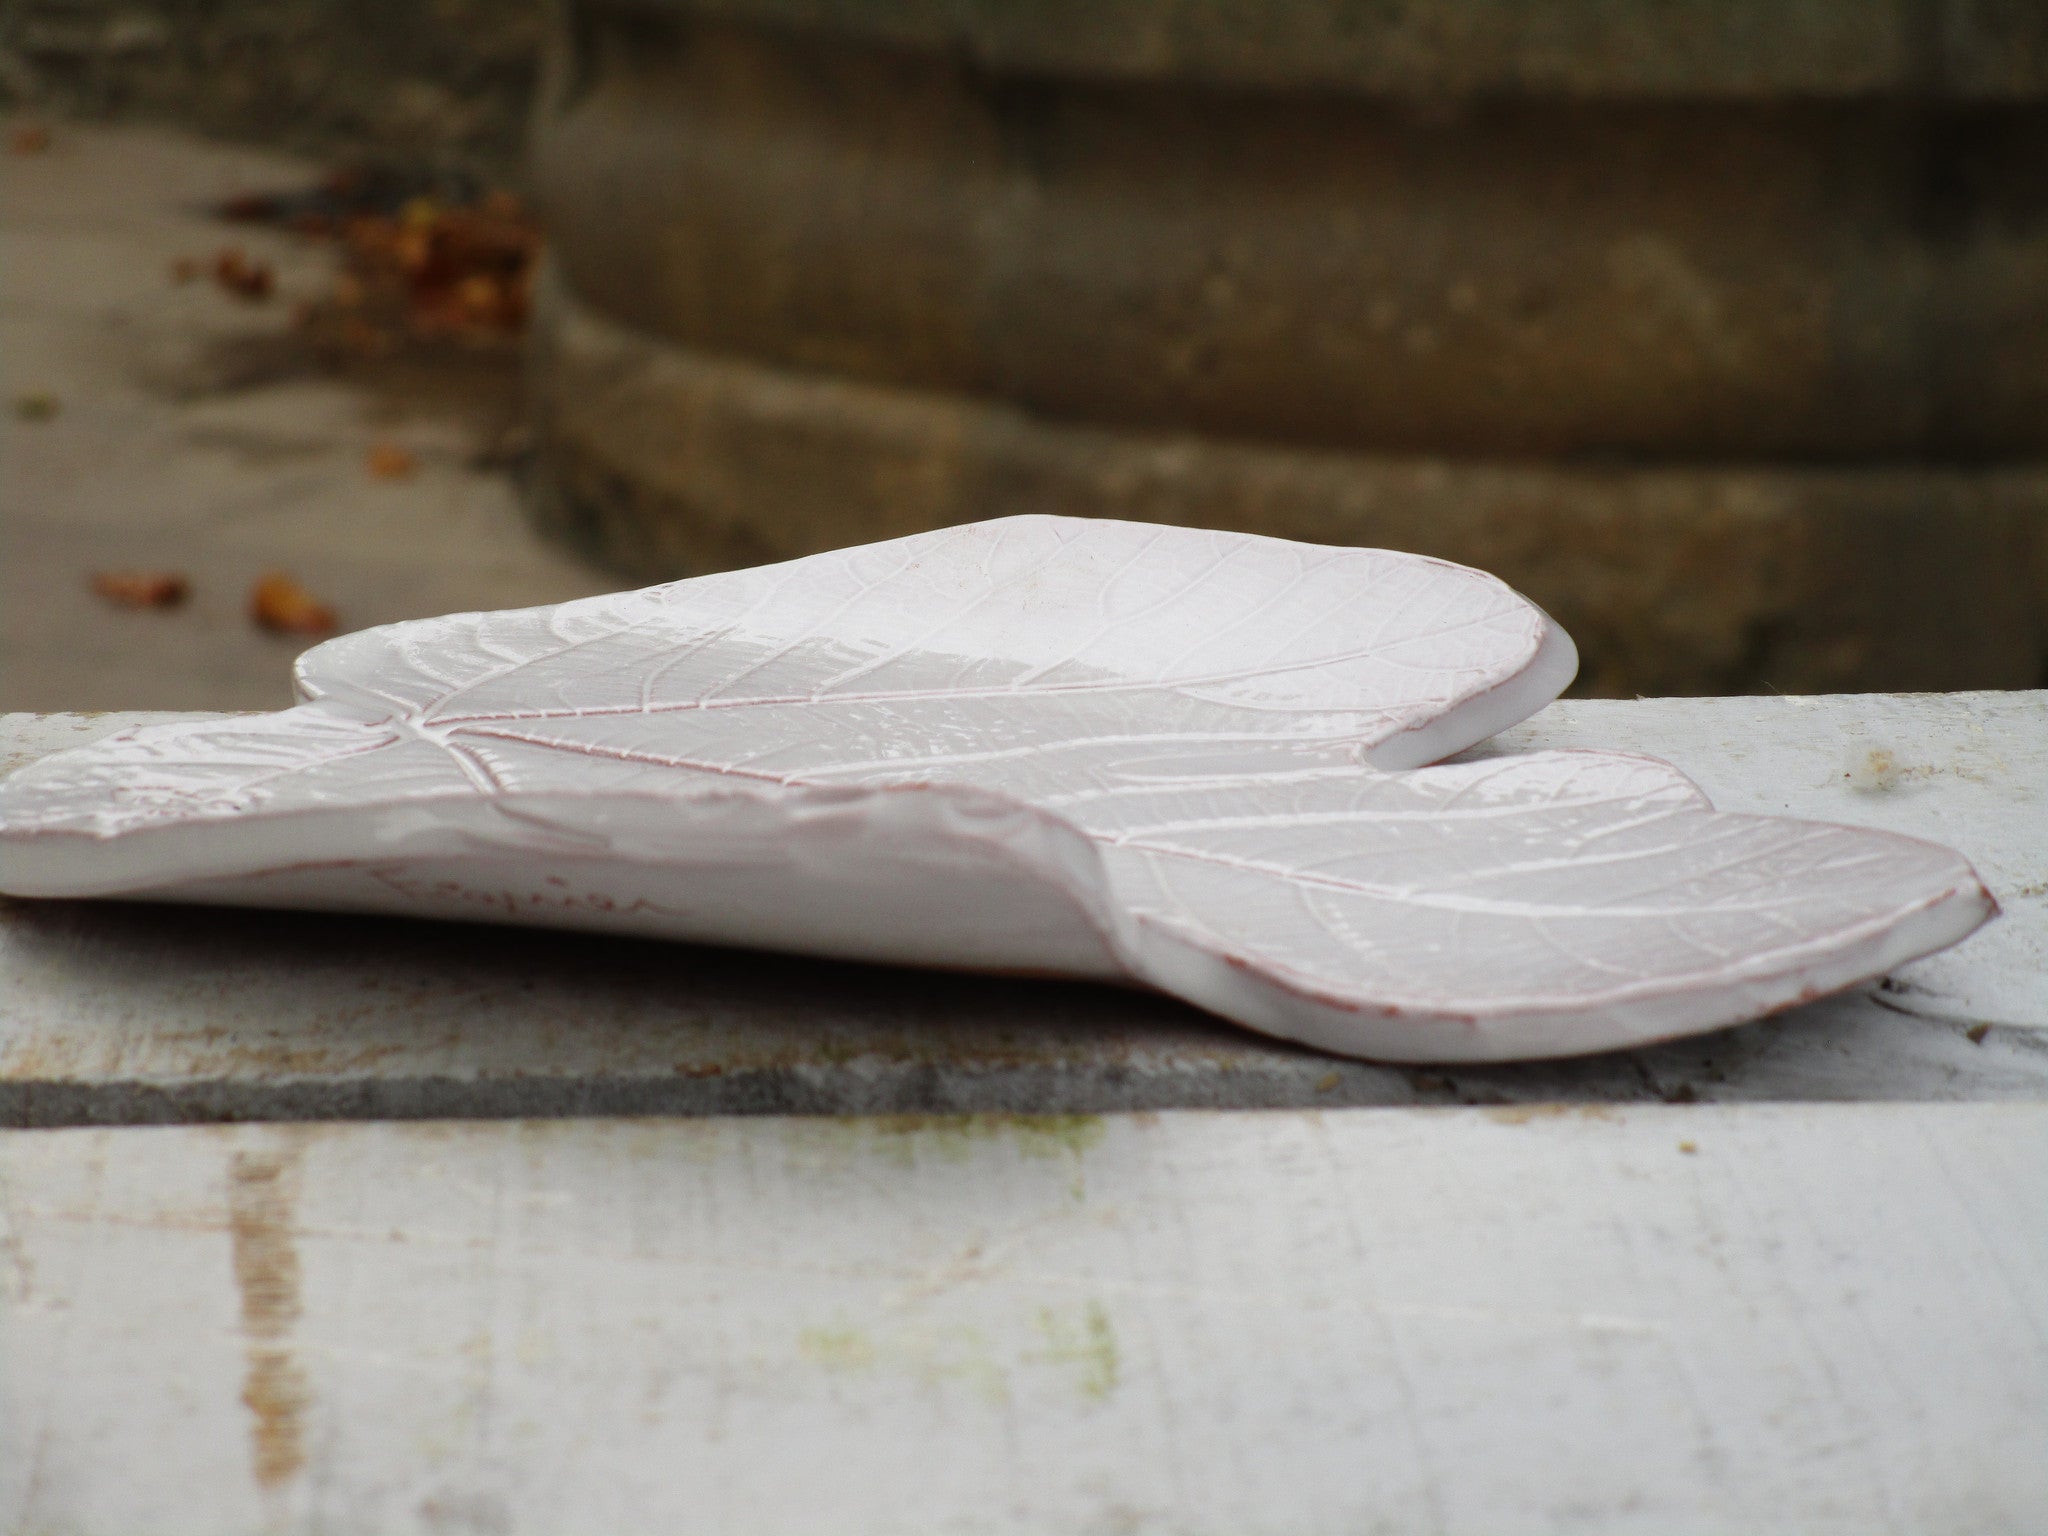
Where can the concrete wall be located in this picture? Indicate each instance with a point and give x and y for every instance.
(442, 81)
(1720, 329)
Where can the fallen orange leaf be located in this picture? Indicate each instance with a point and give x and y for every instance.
(30, 140)
(281, 605)
(419, 267)
(142, 589)
(241, 276)
(388, 461)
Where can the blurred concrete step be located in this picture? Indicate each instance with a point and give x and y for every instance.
(1695, 231)
(663, 460)
(1721, 329)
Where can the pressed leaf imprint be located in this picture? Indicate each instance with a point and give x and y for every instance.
(1187, 758)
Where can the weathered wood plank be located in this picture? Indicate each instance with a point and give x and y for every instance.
(1823, 1319)
(125, 1013)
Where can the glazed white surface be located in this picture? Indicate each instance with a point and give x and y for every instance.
(1073, 746)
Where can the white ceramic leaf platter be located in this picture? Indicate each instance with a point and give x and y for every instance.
(1182, 758)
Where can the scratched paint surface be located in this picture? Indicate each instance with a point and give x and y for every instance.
(1657, 1320)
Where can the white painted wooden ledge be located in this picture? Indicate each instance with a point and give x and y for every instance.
(1590, 1317)
(1780, 1319)
(114, 1013)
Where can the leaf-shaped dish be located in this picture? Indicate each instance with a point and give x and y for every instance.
(1183, 758)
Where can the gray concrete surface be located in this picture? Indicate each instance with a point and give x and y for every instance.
(193, 433)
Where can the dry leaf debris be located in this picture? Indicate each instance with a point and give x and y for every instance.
(142, 589)
(279, 604)
(388, 461)
(424, 261)
(243, 276)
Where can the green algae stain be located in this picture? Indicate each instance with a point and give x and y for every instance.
(837, 1349)
(961, 1355)
(933, 1357)
(1080, 1344)
(903, 1137)
(1088, 1344)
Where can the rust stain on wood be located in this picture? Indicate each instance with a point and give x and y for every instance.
(262, 1191)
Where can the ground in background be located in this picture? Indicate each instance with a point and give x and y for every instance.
(159, 425)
